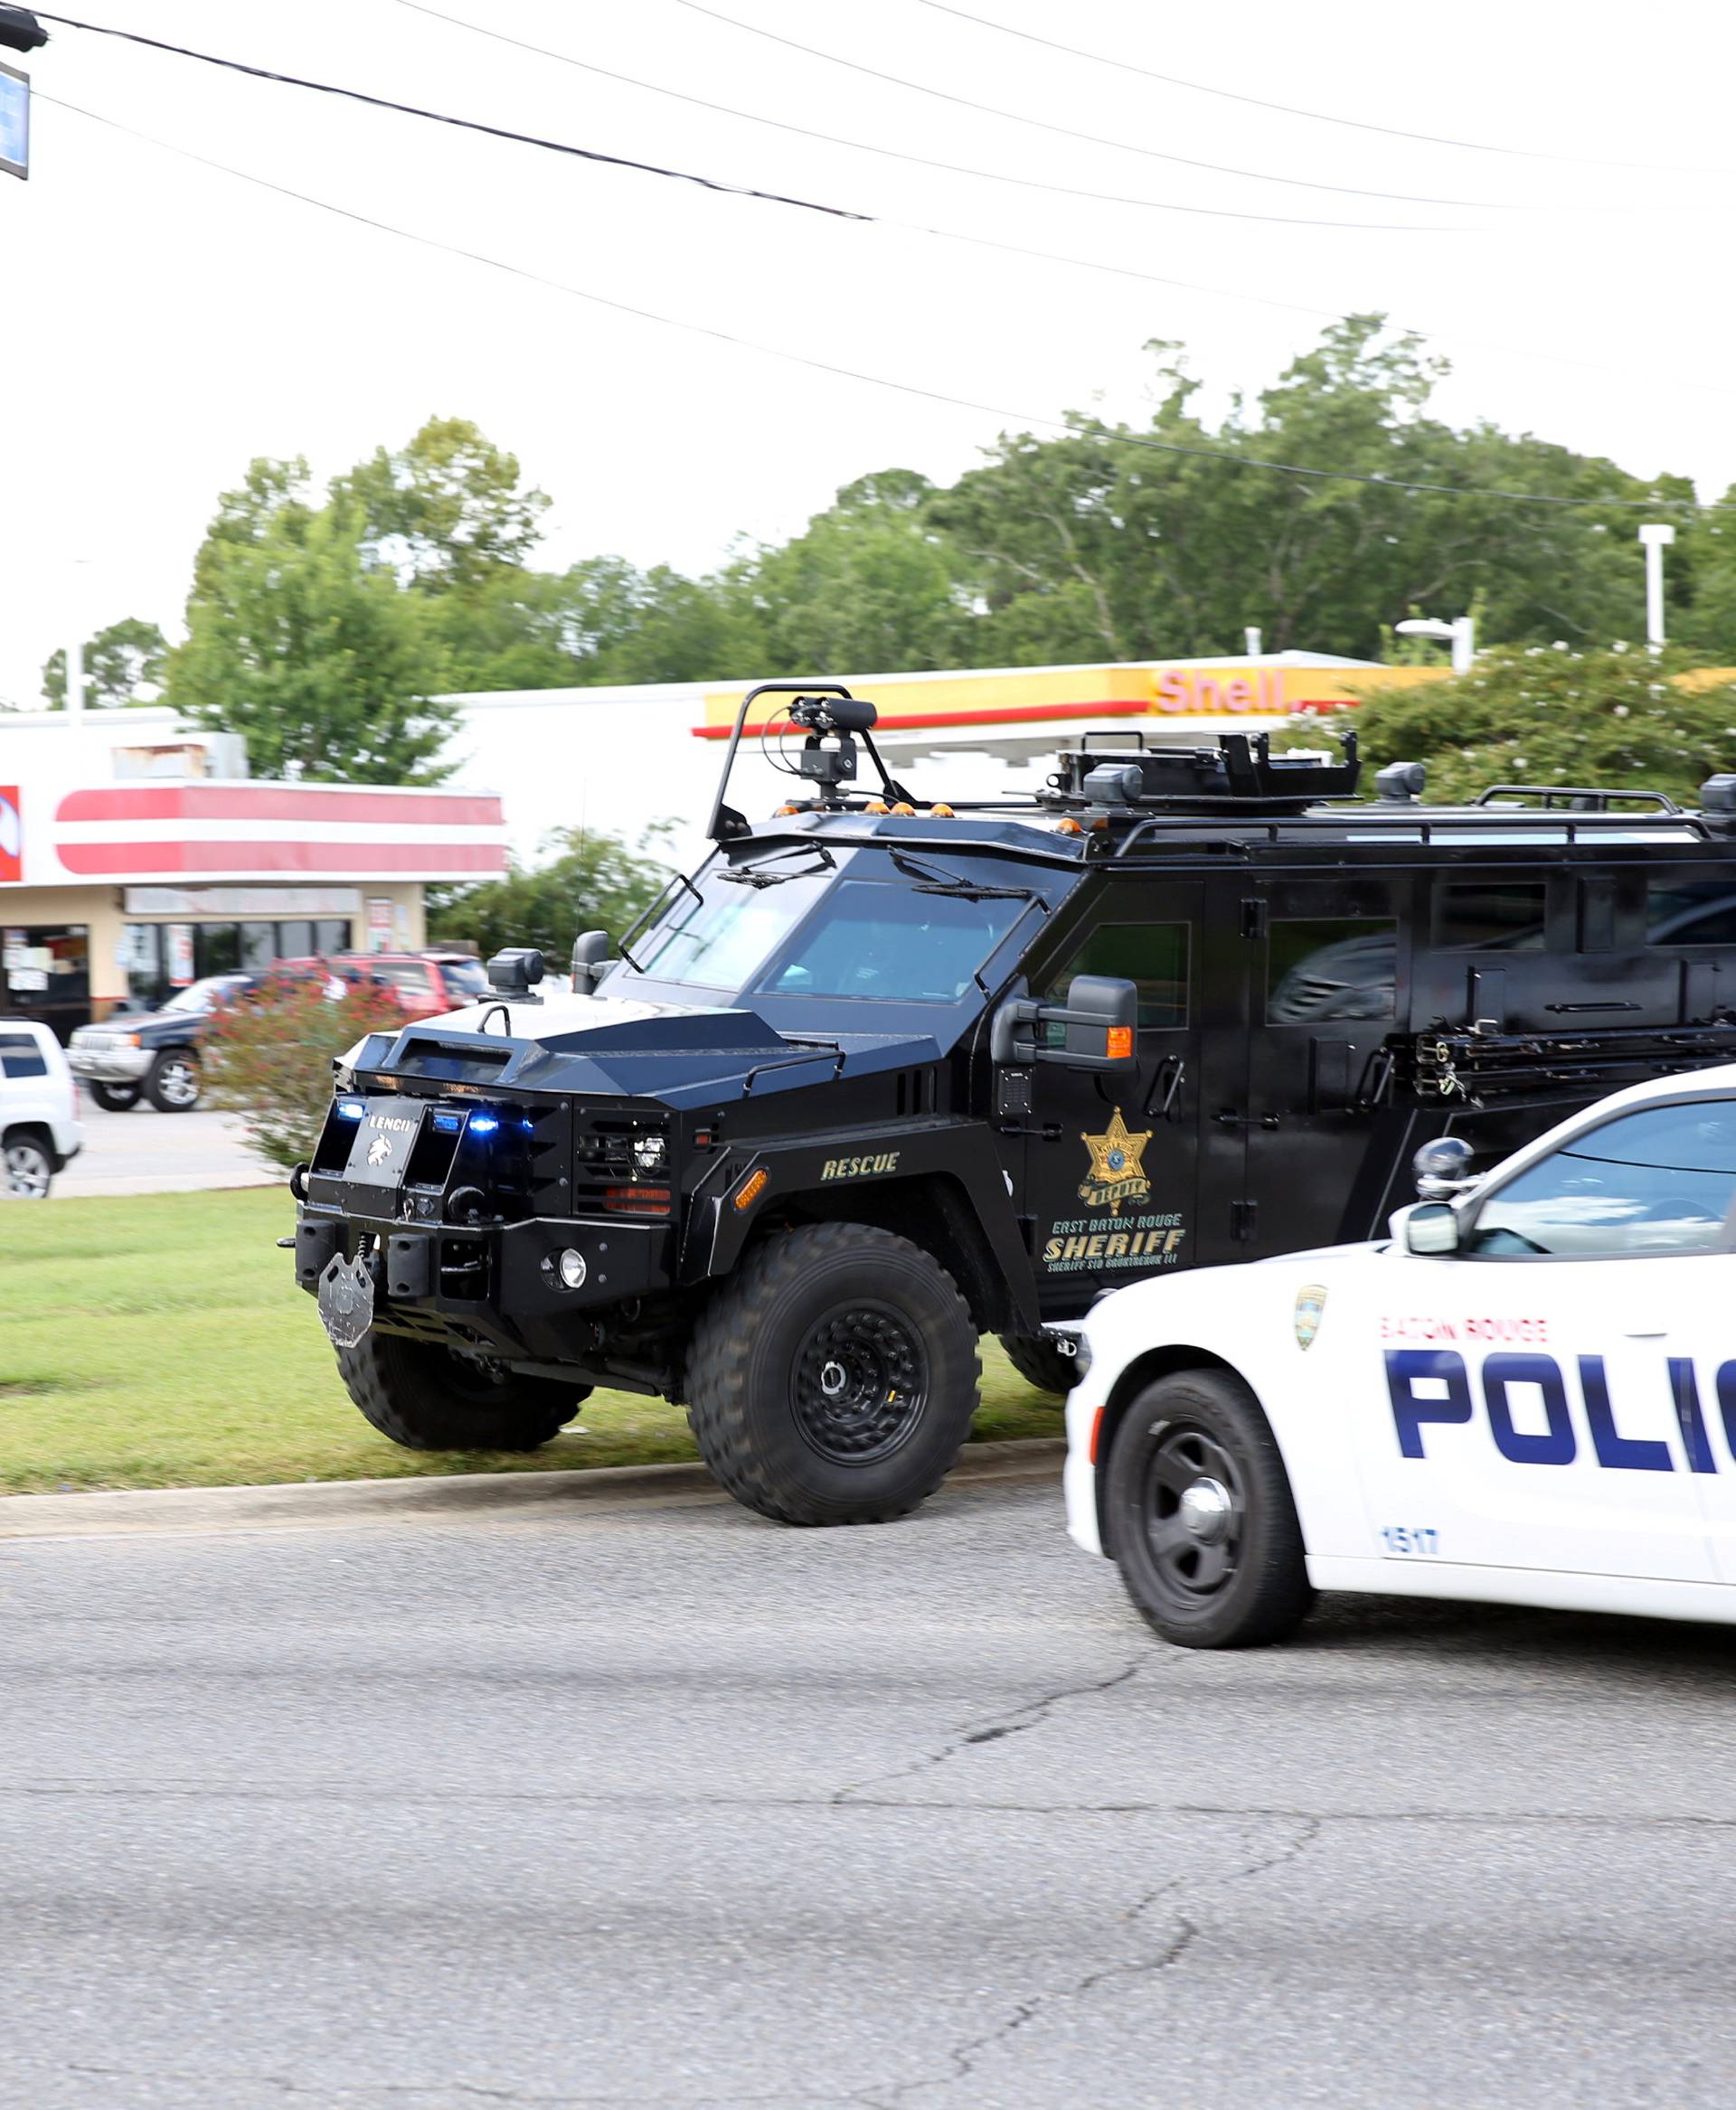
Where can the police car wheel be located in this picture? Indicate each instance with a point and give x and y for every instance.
(1041, 1363)
(1201, 1518)
(172, 1085)
(834, 1379)
(116, 1098)
(427, 1399)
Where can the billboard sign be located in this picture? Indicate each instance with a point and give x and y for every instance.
(14, 122)
(12, 836)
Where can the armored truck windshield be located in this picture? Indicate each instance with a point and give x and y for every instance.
(829, 925)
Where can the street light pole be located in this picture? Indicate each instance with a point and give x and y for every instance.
(1460, 634)
(1655, 537)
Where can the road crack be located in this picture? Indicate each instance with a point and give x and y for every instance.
(1028, 1717)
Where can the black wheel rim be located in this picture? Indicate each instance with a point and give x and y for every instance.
(1195, 1509)
(860, 1383)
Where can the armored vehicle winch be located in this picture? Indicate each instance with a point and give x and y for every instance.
(885, 1075)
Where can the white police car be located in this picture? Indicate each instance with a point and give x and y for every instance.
(1528, 1396)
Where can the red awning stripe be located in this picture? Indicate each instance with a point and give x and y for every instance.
(922, 721)
(431, 860)
(279, 802)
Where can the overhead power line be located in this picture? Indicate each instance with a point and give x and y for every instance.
(1314, 117)
(406, 109)
(1028, 419)
(1011, 248)
(1066, 132)
(708, 183)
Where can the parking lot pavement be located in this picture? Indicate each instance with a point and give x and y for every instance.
(659, 1805)
(144, 1152)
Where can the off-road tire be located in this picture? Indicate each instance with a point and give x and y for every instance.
(116, 1098)
(749, 1405)
(1208, 1423)
(163, 1087)
(427, 1400)
(1041, 1363)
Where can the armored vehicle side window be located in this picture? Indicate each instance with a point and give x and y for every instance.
(1507, 918)
(1697, 912)
(893, 944)
(1331, 967)
(1659, 1180)
(1151, 956)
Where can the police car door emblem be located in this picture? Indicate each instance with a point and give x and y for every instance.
(380, 1150)
(1310, 1307)
(1118, 1172)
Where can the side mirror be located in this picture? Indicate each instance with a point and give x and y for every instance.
(515, 971)
(1431, 1229)
(590, 960)
(1443, 1168)
(1096, 1029)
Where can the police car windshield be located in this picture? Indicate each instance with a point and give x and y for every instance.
(835, 937)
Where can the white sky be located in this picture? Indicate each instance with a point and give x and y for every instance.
(161, 323)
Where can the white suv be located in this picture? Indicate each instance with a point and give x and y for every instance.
(39, 1109)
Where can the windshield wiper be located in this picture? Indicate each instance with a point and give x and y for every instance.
(756, 875)
(937, 879)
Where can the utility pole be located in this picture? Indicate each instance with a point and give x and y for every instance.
(1655, 536)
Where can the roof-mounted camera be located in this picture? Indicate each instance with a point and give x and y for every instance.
(829, 756)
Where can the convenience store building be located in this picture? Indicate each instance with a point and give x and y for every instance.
(138, 856)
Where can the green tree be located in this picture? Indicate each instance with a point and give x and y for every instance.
(446, 512)
(594, 882)
(321, 661)
(1537, 715)
(1109, 547)
(869, 584)
(123, 665)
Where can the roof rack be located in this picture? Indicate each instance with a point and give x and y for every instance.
(1240, 772)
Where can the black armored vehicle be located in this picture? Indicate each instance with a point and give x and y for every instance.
(886, 1075)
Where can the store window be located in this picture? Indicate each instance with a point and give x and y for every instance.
(45, 971)
(259, 946)
(217, 949)
(332, 935)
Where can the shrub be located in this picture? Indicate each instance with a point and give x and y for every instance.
(268, 1057)
(1619, 719)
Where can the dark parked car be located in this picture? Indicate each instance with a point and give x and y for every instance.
(155, 1055)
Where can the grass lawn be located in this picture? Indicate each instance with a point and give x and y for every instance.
(160, 1342)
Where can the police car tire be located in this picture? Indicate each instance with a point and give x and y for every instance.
(116, 1098)
(740, 1375)
(414, 1392)
(1041, 1363)
(1268, 1594)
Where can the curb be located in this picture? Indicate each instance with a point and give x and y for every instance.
(304, 1502)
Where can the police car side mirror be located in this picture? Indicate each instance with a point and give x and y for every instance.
(1431, 1229)
(590, 960)
(1095, 1029)
(1443, 1168)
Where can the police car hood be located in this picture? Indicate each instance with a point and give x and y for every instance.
(618, 1047)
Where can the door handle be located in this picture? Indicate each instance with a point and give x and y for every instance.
(1229, 1118)
(1165, 1087)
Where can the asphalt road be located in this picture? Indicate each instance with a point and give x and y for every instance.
(142, 1151)
(659, 1805)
